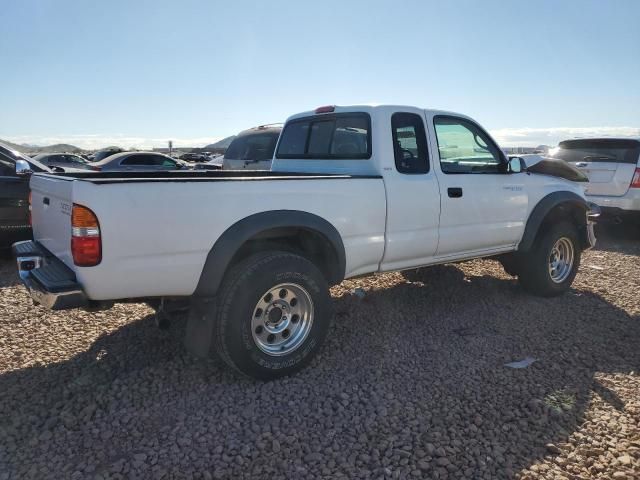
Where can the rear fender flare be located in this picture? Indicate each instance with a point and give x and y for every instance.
(230, 242)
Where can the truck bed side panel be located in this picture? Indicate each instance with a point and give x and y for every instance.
(156, 235)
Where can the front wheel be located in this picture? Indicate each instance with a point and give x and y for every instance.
(552, 264)
(273, 315)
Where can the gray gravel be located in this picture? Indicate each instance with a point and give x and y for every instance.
(411, 384)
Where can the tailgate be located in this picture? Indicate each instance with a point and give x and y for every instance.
(51, 202)
(607, 178)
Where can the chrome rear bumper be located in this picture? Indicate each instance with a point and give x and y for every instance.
(48, 280)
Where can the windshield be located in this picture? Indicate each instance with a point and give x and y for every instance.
(604, 150)
(256, 147)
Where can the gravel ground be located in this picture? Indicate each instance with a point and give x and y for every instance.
(411, 383)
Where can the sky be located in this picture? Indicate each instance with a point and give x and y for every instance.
(139, 73)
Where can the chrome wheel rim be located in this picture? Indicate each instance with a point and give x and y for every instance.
(282, 319)
(561, 260)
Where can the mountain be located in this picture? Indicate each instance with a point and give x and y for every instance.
(30, 149)
(224, 143)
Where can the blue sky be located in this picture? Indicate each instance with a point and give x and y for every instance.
(141, 72)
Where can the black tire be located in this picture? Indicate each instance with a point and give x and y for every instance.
(243, 286)
(534, 273)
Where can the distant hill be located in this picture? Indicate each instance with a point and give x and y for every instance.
(29, 149)
(224, 143)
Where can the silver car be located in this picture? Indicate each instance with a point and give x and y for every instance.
(613, 168)
(138, 162)
(62, 160)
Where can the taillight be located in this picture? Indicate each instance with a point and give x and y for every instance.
(86, 244)
(635, 182)
(94, 168)
(326, 109)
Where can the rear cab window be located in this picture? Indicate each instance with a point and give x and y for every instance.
(598, 150)
(327, 136)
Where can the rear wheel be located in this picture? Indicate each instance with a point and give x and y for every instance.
(552, 264)
(273, 315)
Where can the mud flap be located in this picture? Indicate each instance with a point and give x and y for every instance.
(199, 332)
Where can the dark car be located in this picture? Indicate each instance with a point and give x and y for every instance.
(68, 160)
(138, 161)
(15, 170)
(194, 157)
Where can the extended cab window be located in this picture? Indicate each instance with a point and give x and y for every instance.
(465, 148)
(342, 136)
(409, 143)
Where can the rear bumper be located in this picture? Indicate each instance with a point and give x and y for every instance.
(629, 202)
(48, 280)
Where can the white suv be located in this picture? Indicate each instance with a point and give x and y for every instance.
(613, 168)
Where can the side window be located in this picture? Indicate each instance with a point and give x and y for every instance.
(465, 148)
(409, 143)
(7, 168)
(137, 160)
(339, 136)
(167, 162)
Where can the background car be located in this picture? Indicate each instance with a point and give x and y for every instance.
(62, 160)
(214, 163)
(104, 153)
(613, 168)
(14, 195)
(195, 157)
(138, 161)
(252, 149)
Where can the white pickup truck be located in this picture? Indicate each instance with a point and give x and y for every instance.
(352, 191)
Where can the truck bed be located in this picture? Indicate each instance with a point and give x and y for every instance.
(157, 228)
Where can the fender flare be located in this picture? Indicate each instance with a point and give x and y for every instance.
(228, 244)
(541, 210)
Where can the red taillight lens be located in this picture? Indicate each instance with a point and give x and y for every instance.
(635, 182)
(94, 168)
(86, 244)
(86, 251)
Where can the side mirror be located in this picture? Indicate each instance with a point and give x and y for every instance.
(516, 165)
(23, 169)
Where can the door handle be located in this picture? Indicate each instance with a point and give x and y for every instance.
(454, 192)
(582, 164)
